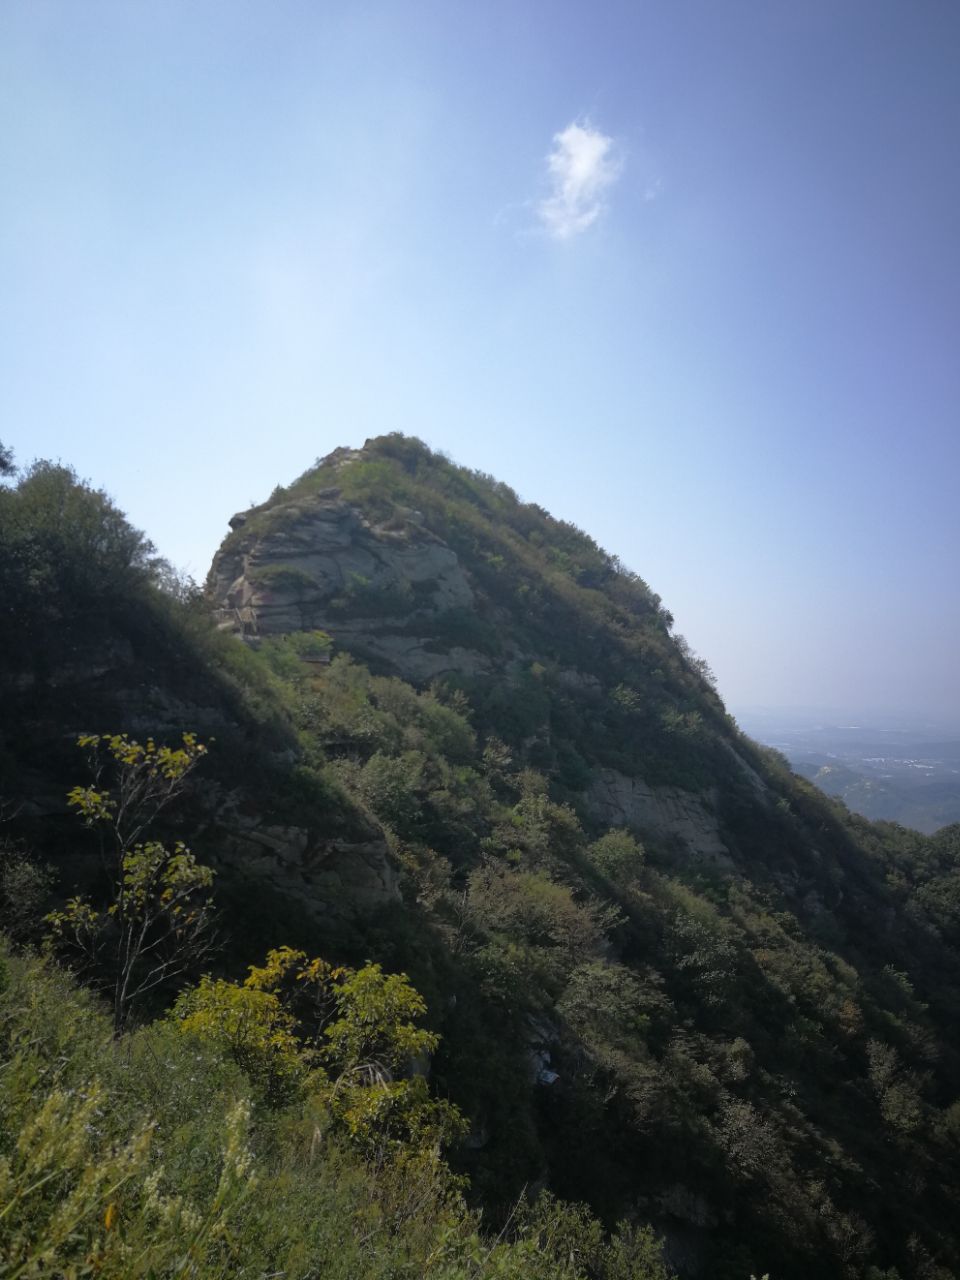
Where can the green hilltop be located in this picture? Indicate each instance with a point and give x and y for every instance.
(674, 997)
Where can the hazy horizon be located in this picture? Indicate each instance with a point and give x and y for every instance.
(685, 275)
(870, 718)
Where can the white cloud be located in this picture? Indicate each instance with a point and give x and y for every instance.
(582, 166)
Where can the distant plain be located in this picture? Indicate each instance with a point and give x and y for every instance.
(882, 766)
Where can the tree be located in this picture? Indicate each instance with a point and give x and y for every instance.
(349, 1036)
(25, 885)
(65, 536)
(7, 465)
(158, 922)
(253, 1027)
(360, 1027)
(71, 563)
(619, 855)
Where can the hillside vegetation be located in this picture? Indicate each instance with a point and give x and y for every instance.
(660, 977)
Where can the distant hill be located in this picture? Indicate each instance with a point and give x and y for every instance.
(925, 805)
(892, 772)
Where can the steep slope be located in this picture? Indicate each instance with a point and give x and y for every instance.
(422, 571)
(455, 737)
(742, 1028)
(90, 643)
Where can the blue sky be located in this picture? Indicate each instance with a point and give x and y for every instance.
(685, 273)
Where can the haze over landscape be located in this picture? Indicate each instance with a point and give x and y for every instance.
(686, 275)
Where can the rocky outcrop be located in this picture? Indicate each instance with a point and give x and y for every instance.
(385, 591)
(418, 658)
(658, 813)
(329, 877)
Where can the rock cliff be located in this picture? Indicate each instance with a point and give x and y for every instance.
(383, 582)
(319, 563)
(669, 814)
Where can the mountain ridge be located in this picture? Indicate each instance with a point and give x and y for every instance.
(672, 979)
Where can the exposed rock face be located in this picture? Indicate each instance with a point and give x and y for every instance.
(750, 774)
(319, 563)
(660, 813)
(383, 591)
(330, 877)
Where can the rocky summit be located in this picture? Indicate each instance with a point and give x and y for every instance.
(389, 588)
(317, 561)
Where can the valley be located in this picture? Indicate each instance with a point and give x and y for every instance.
(882, 767)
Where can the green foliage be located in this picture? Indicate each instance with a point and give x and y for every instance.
(606, 1003)
(539, 913)
(361, 598)
(374, 1023)
(144, 1158)
(285, 578)
(755, 1051)
(60, 534)
(147, 780)
(619, 856)
(25, 886)
(86, 1163)
(370, 1047)
(252, 1026)
(346, 1040)
(391, 786)
(461, 628)
(157, 922)
(310, 645)
(898, 1091)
